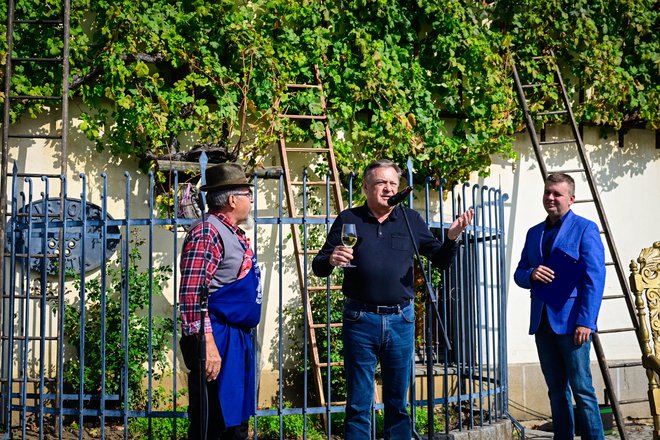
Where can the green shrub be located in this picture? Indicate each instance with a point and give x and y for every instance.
(293, 425)
(121, 278)
(421, 420)
(161, 428)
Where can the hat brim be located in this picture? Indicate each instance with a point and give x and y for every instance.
(225, 185)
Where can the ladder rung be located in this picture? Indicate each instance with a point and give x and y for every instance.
(40, 60)
(307, 117)
(560, 141)
(338, 402)
(637, 400)
(613, 297)
(539, 57)
(576, 170)
(332, 364)
(584, 201)
(332, 325)
(302, 86)
(617, 330)
(38, 21)
(322, 288)
(551, 113)
(609, 263)
(34, 136)
(36, 97)
(309, 252)
(308, 150)
(314, 183)
(624, 364)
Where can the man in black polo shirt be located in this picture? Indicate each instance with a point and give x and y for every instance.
(379, 317)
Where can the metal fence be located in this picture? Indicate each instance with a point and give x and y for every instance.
(89, 316)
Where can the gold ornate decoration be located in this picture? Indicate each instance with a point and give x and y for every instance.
(645, 283)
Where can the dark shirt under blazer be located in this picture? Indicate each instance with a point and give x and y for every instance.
(383, 255)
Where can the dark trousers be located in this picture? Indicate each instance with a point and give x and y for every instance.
(216, 429)
(567, 368)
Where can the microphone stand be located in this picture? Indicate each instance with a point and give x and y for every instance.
(203, 311)
(431, 311)
(201, 352)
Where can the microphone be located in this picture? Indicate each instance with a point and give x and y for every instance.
(400, 196)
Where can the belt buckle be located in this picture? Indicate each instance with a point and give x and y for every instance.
(388, 310)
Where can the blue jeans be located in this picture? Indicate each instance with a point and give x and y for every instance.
(566, 367)
(368, 338)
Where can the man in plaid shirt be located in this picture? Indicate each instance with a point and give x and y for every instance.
(217, 257)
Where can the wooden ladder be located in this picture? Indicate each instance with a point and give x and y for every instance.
(323, 152)
(563, 110)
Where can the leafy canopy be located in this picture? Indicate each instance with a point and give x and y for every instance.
(426, 79)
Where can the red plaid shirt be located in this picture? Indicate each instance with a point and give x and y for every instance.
(194, 266)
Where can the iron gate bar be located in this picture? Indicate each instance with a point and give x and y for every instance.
(60, 321)
(445, 300)
(479, 341)
(468, 274)
(306, 300)
(175, 272)
(493, 301)
(83, 279)
(25, 288)
(486, 311)
(502, 283)
(433, 345)
(150, 265)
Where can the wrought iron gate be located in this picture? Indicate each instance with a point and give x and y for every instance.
(89, 305)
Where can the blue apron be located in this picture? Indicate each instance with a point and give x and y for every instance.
(234, 309)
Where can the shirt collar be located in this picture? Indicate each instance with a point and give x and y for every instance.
(370, 215)
(223, 218)
(558, 223)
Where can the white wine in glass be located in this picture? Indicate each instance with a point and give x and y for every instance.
(348, 237)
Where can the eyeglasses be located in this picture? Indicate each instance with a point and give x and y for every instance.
(247, 194)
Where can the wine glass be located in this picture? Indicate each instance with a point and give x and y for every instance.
(348, 238)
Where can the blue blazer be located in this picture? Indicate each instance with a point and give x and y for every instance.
(579, 238)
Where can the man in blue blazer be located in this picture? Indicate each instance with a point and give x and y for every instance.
(563, 264)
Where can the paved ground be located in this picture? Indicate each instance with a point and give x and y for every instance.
(638, 429)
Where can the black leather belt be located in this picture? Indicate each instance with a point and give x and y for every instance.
(381, 310)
